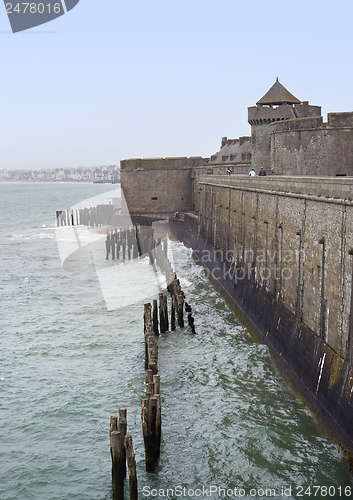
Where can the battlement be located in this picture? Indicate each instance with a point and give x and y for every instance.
(297, 124)
(169, 163)
(340, 120)
(258, 115)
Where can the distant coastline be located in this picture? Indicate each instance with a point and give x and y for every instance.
(50, 181)
(105, 174)
(46, 181)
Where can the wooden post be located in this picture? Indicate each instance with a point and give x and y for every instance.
(131, 463)
(135, 252)
(117, 245)
(149, 377)
(150, 429)
(180, 310)
(156, 384)
(147, 316)
(191, 322)
(165, 313)
(112, 244)
(149, 383)
(117, 450)
(150, 254)
(149, 389)
(162, 323)
(128, 242)
(155, 317)
(107, 246)
(172, 319)
(123, 242)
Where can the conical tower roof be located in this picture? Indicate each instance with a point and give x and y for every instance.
(278, 95)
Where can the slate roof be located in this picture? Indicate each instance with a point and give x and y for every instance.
(278, 95)
(231, 152)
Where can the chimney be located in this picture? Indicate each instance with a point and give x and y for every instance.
(224, 141)
(243, 139)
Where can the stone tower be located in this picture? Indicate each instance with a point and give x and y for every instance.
(277, 104)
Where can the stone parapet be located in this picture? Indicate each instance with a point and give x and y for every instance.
(297, 124)
(334, 188)
(170, 163)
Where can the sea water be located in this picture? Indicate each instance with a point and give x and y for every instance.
(230, 426)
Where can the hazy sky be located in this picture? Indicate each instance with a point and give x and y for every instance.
(112, 80)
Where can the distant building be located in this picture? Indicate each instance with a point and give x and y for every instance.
(235, 154)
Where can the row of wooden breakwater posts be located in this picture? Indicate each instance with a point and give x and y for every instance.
(93, 217)
(155, 322)
(131, 243)
(138, 241)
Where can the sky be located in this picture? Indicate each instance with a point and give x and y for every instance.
(111, 80)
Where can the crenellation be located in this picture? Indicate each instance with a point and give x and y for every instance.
(340, 120)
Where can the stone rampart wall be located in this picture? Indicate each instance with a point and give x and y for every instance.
(158, 185)
(284, 259)
(295, 241)
(307, 146)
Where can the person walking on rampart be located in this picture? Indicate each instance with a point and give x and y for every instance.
(262, 171)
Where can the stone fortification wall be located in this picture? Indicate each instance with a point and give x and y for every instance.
(262, 117)
(158, 185)
(285, 257)
(322, 187)
(307, 146)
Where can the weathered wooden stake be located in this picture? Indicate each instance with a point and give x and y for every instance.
(117, 450)
(172, 318)
(155, 317)
(156, 384)
(123, 242)
(180, 310)
(107, 246)
(131, 463)
(128, 241)
(147, 316)
(151, 432)
(191, 322)
(165, 313)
